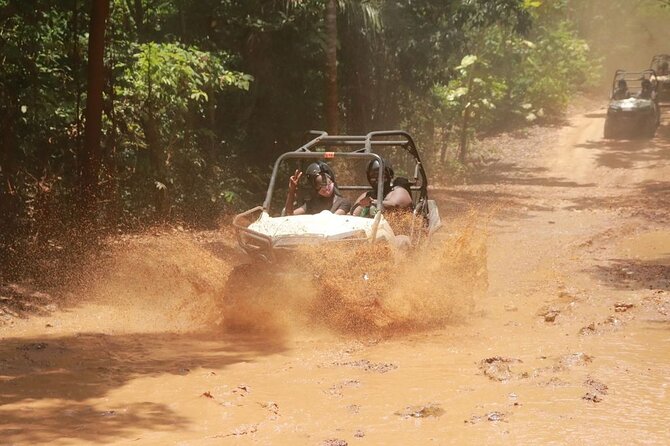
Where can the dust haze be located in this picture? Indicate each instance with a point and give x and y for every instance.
(623, 35)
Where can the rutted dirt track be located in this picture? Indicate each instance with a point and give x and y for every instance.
(569, 345)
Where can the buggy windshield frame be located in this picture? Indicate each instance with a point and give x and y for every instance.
(369, 147)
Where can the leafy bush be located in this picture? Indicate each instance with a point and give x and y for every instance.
(166, 110)
(556, 67)
(514, 79)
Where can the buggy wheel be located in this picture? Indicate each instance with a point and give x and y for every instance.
(651, 129)
(651, 133)
(608, 132)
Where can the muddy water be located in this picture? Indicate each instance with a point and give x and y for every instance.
(567, 345)
(651, 246)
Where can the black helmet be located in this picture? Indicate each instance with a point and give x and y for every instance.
(318, 168)
(374, 165)
(622, 83)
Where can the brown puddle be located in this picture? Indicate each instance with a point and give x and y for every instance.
(649, 247)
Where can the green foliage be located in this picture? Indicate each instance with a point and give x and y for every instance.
(200, 96)
(472, 90)
(557, 66)
(526, 78)
(177, 74)
(161, 94)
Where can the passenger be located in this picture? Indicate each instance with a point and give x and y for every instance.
(323, 193)
(647, 92)
(396, 192)
(621, 91)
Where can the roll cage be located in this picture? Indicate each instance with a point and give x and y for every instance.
(633, 80)
(657, 60)
(371, 146)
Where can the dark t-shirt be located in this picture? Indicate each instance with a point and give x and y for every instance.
(620, 94)
(318, 203)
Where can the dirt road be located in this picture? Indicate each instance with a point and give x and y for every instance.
(569, 345)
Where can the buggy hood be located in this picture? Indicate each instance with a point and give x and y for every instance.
(324, 226)
(631, 104)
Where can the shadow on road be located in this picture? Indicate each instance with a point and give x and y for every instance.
(647, 199)
(60, 375)
(650, 199)
(514, 174)
(627, 154)
(81, 422)
(461, 201)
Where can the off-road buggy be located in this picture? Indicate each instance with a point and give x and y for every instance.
(633, 108)
(267, 235)
(660, 64)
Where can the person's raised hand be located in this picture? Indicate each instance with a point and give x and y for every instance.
(293, 181)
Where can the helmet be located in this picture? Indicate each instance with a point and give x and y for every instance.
(374, 166)
(317, 169)
(622, 83)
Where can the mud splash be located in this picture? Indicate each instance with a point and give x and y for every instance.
(155, 283)
(362, 290)
(174, 281)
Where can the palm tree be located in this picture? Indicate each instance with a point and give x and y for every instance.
(370, 11)
(331, 96)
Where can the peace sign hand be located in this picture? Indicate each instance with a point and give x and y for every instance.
(293, 181)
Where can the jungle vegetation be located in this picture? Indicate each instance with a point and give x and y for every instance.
(118, 114)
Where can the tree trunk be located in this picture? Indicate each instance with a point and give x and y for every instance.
(465, 122)
(8, 148)
(331, 100)
(136, 9)
(443, 139)
(157, 160)
(463, 145)
(89, 158)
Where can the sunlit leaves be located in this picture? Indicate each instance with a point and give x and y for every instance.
(529, 4)
(171, 75)
(467, 61)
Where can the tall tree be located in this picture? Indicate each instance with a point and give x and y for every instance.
(331, 97)
(90, 155)
(369, 11)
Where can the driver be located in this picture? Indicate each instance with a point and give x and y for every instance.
(647, 91)
(663, 68)
(621, 91)
(323, 193)
(396, 193)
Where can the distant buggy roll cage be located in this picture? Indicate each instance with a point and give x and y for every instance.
(634, 76)
(325, 146)
(657, 60)
(663, 72)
